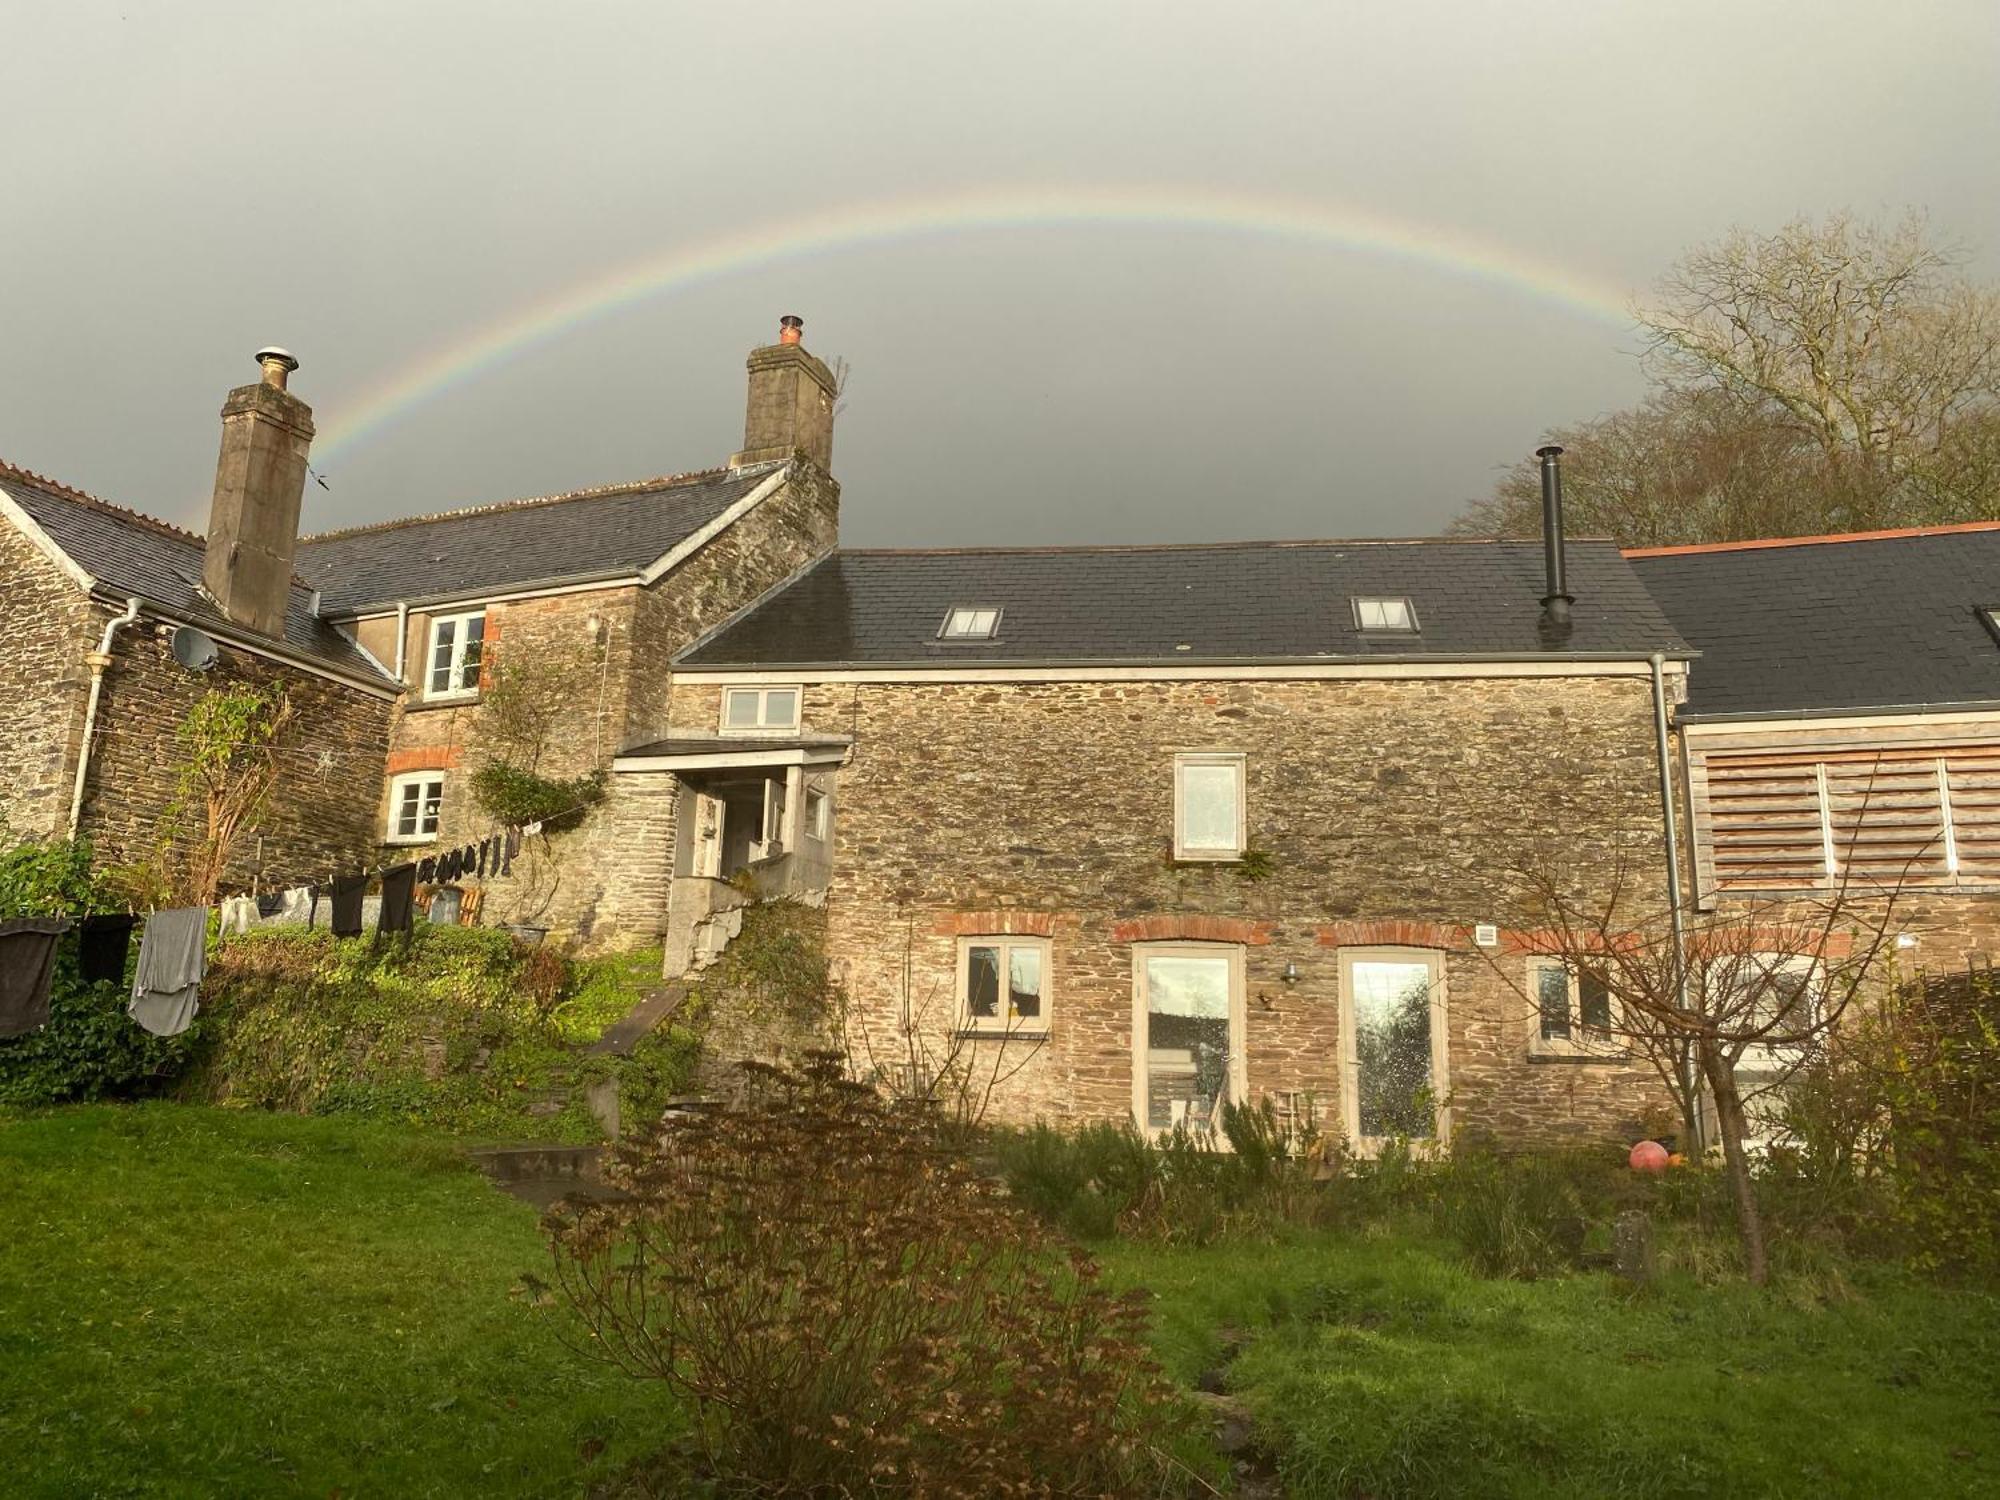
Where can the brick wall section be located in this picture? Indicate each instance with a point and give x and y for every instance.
(1379, 803)
(607, 879)
(44, 620)
(313, 823)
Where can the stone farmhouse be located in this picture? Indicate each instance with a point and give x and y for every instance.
(1125, 831)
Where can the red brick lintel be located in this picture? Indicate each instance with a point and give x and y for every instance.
(425, 758)
(995, 924)
(1192, 929)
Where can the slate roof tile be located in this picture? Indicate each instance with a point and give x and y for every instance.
(1210, 602)
(1822, 624)
(493, 548)
(130, 553)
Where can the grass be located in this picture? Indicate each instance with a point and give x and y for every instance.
(216, 1302)
(1380, 1366)
(199, 1301)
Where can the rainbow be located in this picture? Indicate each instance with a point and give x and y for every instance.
(1341, 228)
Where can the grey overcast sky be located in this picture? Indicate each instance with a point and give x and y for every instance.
(1103, 272)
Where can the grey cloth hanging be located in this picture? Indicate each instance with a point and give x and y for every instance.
(27, 960)
(166, 983)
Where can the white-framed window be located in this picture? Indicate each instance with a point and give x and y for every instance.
(759, 709)
(1395, 1073)
(415, 800)
(1003, 985)
(1385, 614)
(969, 622)
(1210, 821)
(1188, 1052)
(819, 809)
(457, 643)
(1573, 1012)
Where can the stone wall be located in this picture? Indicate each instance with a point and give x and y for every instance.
(605, 879)
(314, 822)
(44, 623)
(1387, 813)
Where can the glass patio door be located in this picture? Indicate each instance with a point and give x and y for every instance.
(1393, 1037)
(1187, 1036)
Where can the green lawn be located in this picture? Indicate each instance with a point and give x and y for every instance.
(1386, 1368)
(213, 1302)
(210, 1302)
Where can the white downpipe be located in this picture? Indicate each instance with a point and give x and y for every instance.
(402, 638)
(98, 660)
(1689, 1080)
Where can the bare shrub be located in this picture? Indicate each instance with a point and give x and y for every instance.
(844, 1307)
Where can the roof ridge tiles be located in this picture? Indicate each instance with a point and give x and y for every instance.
(71, 492)
(1758, 544)
(594, 492)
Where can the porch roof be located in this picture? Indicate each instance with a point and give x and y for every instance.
(718, 752)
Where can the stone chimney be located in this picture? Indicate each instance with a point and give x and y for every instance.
(791, 402)
(260, 478)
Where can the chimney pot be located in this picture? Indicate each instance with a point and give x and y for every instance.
(277, 365)
(790, 328)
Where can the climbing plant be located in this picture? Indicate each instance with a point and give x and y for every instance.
(228, 762)
(528, 709)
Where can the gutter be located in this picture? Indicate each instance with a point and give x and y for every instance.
(99, 660)
(945, 663)
(273, 650)
(1878, 710)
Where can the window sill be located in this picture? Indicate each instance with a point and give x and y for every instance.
(1002, 1034)
(441, 700)
(1613, 1058)
(410, 840)
(1196, 857)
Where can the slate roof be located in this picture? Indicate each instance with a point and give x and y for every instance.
(129, 553)
(1823, 624)
(615, 530)
(1259, 601)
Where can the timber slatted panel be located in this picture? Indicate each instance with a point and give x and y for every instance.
(1789, 820)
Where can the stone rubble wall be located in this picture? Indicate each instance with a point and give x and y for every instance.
(1389, 811)
(45, 632)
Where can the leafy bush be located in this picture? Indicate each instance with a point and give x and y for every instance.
(844, 1307)
(90, 1049)
(462, 1028)
(513, 796)
(1181, 1188)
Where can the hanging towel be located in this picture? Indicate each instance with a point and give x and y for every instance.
(398, 886)
(531, 829)
(173, 955)
(294, 907)
(27, 959)
(239, 914)
(347, 892)
(102, 945)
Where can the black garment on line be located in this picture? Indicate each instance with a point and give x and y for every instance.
(347, 892)
(270, 903)
(482, 857)
(101, 946)
(426, 871)
(27, 959)
(399, 886)
(503, 851)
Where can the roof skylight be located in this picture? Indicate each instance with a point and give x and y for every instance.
(970, 623)
(1384, 614)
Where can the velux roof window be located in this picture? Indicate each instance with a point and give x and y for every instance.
(965, 622)
(1385, 614)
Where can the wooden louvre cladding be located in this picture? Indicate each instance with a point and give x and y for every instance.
(1923, 814)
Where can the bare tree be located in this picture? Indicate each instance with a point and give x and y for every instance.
(229, 743)
(1833, 375)
(1727, 1004)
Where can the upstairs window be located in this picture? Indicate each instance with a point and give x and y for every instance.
(414, 804)
(1003, 985)
(970, 623)
(754, 708)
(1385, 614)
(1209, 820)
(457, 644)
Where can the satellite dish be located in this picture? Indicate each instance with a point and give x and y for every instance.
(192, 649)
